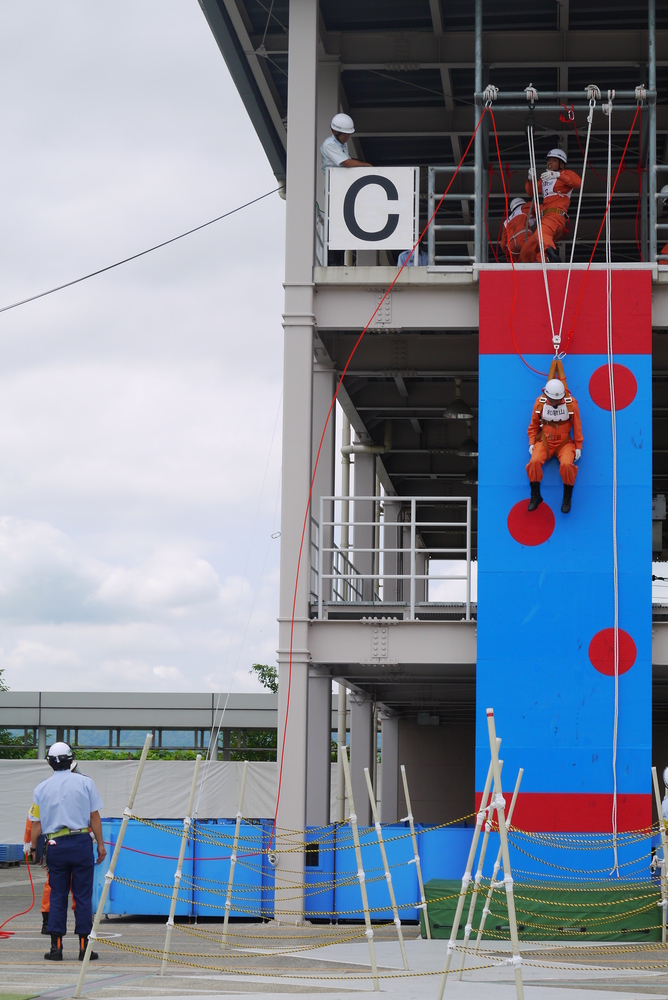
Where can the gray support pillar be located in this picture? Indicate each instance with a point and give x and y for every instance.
(329, 76)
(392, 560)
(324, 383)
(389, 772)
(361, 754)
(41, 742)
(363, 512)
(319, 749)
(421, 569)
(298, 326)
(213, 754)
(478, 202)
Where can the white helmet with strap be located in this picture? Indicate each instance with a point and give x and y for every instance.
(555, 389)
(558, 154)
(516, 202)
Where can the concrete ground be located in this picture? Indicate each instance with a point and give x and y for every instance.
(263, 959)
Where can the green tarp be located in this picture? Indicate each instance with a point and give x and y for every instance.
(586, 911)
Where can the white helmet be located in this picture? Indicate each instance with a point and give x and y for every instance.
(664, 195)
(560, 154)
(555, 389)
(342, 123)
(516, 202)
(60, 757)
(665, 777)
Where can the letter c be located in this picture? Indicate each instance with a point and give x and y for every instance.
(349, 208)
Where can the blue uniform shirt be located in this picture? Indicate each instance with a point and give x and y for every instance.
(65, 799)
(333, 153)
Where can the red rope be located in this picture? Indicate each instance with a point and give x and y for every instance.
(317, 460)
(512, 262)
(6, 934)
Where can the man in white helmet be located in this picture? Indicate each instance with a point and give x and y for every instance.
(556, 186)
(334, 150)
(517, 228)
(555, 415)
(66, 807)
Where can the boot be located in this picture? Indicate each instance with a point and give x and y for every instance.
(83, 944)
(536, 498)
(552, 256)
(566, 502)
(55, 954)
(45, 923)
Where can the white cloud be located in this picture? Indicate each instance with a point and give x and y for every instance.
(137, 408)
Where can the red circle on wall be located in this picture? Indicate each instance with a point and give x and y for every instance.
(530, 527)
(626, 387)
(602, 651)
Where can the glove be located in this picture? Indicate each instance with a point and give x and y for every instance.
(578, 452)
(531, 174)
(547, 175)
(531, 447)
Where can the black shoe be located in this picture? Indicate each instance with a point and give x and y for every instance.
(566, 502)
(552, 256)
(83, 944)
(45, 923)
(55, 953)
(536, 498)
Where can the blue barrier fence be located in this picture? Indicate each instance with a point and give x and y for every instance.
(147, 863)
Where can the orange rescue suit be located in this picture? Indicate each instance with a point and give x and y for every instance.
(552, 437)
(556, 192)
(515, 232)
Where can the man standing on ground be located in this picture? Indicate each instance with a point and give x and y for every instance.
(67, 807)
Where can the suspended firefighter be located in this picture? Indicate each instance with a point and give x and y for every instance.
(517, 228)
(556, 186)
(555, 415)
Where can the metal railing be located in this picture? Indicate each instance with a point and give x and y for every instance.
(439, 225)
(391, 543)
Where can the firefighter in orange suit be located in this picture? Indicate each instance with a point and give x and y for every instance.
(556, 186)
(516, 228)
(554, 415)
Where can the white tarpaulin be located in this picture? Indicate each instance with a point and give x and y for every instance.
(163, 790)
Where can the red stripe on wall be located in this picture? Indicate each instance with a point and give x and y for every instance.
(561, 812)
(631, 312)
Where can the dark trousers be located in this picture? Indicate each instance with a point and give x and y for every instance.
(70, 863)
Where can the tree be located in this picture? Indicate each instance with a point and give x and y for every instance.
(267, 676)
(3, 686)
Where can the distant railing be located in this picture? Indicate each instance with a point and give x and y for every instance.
(391, 542)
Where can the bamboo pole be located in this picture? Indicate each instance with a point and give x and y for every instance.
(343, 753)
(499, 804)
(497, 864)
(177, 875)
(233, 859)
(416, 853)
(386, 867)
(466, 880)
(474, 897)
(664, 845)
(109, 875)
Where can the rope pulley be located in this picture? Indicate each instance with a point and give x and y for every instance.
(593, 92)
(489, 94)
(532, 94)
(641, 94)
(607, 108)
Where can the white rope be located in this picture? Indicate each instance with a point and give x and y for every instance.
(613, 425)
(590, 119)
(539, 229)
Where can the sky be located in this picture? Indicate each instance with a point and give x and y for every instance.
(139, 410)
